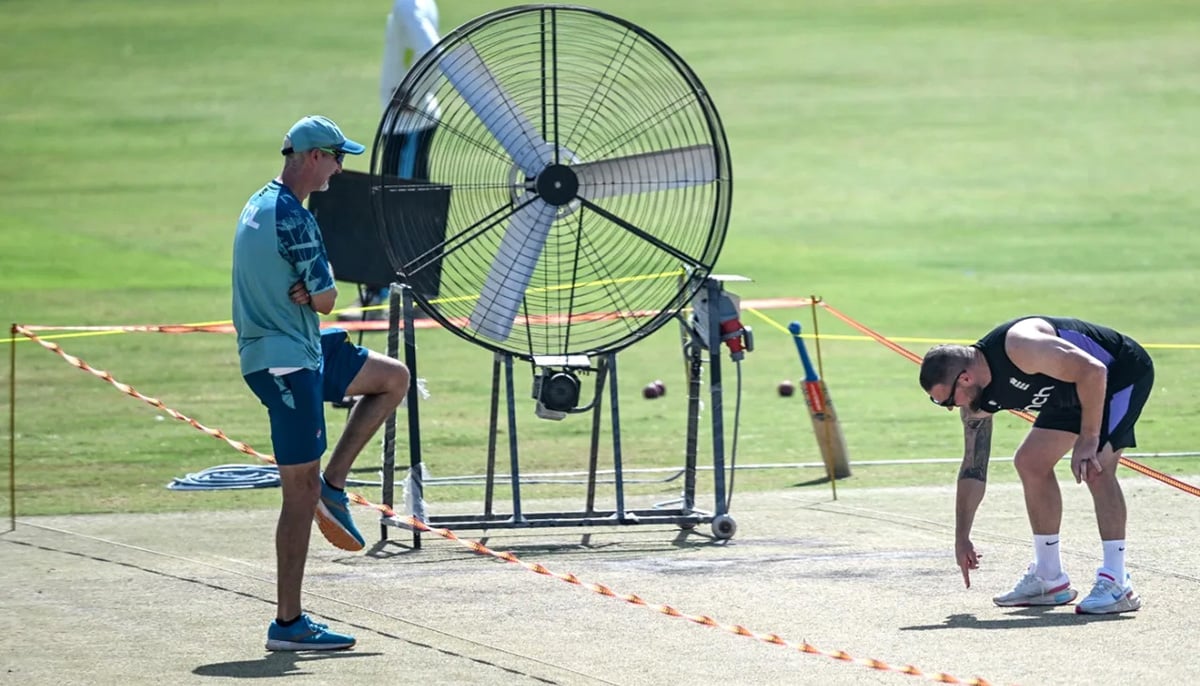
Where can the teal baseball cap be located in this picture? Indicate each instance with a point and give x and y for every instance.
(315, 131)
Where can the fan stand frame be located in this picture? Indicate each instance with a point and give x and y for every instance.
(684, 513)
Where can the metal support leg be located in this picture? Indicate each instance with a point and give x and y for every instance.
(389, 426)
(493, 427)
(594, 455)
(695, 371)
(416, 491)
(618, 469)
(714, 386)
(514, 462)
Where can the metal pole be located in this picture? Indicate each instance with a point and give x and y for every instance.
(417, 488)
(514, 461)
(618, 473)
(714, 387)
(388, 492)
(693, 351)
(12, 428)
(493, 426)
(594, 455)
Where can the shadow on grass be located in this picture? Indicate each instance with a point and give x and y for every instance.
(1023, 618)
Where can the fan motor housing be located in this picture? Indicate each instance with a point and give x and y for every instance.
(557, 184)
(557, 390)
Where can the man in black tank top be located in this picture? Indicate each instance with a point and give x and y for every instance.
(1087, 383)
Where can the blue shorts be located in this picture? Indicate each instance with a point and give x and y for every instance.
(294, 401)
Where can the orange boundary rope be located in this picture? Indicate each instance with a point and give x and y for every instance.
(537, 568)
(1132, 464)
(382, 324)
(130, 390)
(632, 599)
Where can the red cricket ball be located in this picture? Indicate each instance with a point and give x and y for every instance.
(786, 388)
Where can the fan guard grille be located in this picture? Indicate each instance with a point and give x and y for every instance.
(567, 123)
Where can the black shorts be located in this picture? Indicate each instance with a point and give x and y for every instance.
(1121, 412)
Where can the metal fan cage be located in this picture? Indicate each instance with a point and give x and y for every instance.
(619, 259)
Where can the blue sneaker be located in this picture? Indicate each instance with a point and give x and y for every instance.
(333, 518)
(305, 634)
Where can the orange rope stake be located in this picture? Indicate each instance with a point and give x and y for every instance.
(1132, 464)
(480, 549)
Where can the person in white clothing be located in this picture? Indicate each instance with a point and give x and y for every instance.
(412, 30)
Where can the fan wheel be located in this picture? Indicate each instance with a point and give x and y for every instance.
(572, 187)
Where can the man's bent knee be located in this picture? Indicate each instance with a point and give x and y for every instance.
(403, 379)
(1109, 462)
(1109, 459)
(1032, 464)
(380, 375)
(1040, 452)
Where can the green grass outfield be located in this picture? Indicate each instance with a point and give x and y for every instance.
(929, 168)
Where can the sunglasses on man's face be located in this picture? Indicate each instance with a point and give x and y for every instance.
(338, 155)
(949, 401)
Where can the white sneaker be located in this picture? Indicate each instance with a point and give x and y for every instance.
(1034, 590)
(1109, 597)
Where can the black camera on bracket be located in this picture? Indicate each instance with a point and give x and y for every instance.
(556, 384)
(557, 393)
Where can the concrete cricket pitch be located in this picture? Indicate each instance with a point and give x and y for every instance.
(186, 598)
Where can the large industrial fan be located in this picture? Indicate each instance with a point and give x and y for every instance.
(562, 190)
(578, 182)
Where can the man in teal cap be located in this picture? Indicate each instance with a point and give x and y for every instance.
(282, 281)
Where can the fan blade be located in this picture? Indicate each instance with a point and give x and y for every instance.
(504, 288)
(694, 165)
(501, 116)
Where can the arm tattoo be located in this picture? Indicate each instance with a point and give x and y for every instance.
(977, 432)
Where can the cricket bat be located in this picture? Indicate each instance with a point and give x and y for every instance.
(824, 417)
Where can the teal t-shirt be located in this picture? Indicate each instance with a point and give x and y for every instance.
(277, 244)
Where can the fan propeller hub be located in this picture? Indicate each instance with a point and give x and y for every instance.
(557, 184)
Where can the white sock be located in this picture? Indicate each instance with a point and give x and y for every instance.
(1045, 553)
(1114, 559)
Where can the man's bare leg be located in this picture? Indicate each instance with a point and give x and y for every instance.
(382, 382)
(1108, 498)
(1111, 593)
(301, 489)
(1035, 460)
(1111, 513)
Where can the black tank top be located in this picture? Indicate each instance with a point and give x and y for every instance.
(1013, 389)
